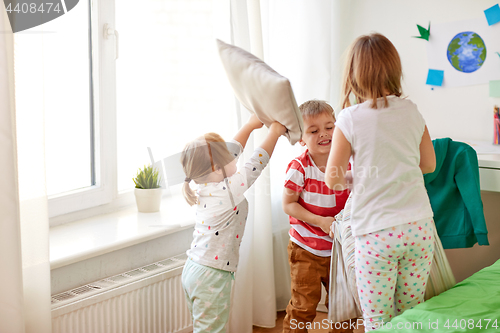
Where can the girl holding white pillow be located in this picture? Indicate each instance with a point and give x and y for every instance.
(221, 214)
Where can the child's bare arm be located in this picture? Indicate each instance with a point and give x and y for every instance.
(256, 164)
(275, 131)
(427, 154)
(247, 129)
(292, 207)
(338, 160)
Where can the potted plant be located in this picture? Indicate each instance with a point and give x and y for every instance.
(147, 190)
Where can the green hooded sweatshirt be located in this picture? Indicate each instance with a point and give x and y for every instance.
(455, 195)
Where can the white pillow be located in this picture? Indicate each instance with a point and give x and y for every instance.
(261, 89)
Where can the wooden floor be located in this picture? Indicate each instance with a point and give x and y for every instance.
(279, 325)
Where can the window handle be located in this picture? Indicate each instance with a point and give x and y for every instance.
(111, 32)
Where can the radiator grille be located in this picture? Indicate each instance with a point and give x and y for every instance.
(117, 280)
(149, 299)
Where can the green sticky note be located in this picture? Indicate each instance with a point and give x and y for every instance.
(495, 88)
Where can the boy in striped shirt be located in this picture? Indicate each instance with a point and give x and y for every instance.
(311, 206)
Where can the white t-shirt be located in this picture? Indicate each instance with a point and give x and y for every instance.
(388, 185)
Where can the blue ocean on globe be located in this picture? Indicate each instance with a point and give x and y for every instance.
(466, 52)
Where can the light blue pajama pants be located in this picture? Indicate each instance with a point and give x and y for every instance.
(392, 268)
(208, 294)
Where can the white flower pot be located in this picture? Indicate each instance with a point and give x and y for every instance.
(148, 200)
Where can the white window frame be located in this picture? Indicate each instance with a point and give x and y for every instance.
(103, 197)
(104, 192)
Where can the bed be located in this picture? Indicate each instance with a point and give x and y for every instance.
(472, 305)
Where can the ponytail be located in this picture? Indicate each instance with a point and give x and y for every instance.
(189, 194)
(199, 158)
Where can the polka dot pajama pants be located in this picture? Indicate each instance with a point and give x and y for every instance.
(392, 268)
(208, 295)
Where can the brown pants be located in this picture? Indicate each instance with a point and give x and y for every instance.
(309, 272)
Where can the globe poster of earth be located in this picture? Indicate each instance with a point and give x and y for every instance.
(466, 52)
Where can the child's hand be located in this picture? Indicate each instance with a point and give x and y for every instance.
(254, 122)
(247, 129)
(326, 224)
(277, 128)
(275, 131)
(332, 235)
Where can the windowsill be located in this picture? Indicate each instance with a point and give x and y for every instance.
(92, 237)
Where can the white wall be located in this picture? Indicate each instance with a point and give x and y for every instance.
(460, 113)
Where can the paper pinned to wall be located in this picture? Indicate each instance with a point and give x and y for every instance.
(492, 14)
(495, 88)
(435, 77)
(465, 51)
(424, 33)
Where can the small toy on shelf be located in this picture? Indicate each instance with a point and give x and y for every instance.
(496, 125)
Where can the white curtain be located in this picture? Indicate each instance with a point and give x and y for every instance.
(253, 295)
(24, 243)
(11, 286)
(302, 40)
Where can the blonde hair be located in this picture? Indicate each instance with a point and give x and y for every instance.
(201, 157)
(314, 107)
(372, 70)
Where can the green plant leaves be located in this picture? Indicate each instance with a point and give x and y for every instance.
(147, 178)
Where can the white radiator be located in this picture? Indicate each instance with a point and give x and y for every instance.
(149, 299)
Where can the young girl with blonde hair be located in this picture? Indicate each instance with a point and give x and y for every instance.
(221, 214)
(391, 149)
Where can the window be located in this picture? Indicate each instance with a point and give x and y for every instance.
(68, 107)
(171, 86)
(156, 82)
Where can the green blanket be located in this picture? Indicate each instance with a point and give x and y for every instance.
(472, 305)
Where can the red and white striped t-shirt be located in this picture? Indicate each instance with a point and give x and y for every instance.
(303, 176)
